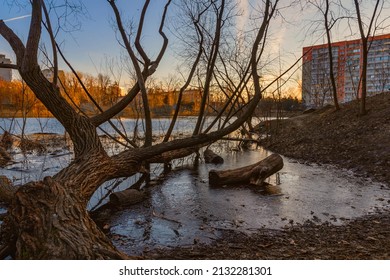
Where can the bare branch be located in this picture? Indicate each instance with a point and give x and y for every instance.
(14, 41)
(53, 43)
(139, 32)
(9, 66)
(30, 60)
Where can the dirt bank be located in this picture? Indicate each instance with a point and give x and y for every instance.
(342, 138)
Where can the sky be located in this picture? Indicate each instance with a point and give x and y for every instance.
(89, 47)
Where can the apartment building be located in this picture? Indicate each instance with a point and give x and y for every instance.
(347, 67)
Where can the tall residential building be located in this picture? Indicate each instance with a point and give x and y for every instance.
(5, 73)
(347, 62)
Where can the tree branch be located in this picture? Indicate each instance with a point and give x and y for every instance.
(14, 41)
(53, 44)
(9, 66)
(30, 60)
(139, 33)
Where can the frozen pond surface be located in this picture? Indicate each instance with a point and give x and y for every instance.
(184, 125)
(185, 209)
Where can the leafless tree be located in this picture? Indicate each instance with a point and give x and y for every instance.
(48, 219)
(366, 30)
(327, 9)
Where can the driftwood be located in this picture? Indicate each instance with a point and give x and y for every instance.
(252, 174)
(211, 157)
(127, 197)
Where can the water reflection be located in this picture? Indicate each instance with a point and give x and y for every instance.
(185, 210)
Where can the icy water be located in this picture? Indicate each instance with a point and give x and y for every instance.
(184, 209)
(51, 125)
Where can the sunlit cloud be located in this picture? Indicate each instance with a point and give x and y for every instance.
(243, 7)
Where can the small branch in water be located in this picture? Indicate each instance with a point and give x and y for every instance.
(164, 218)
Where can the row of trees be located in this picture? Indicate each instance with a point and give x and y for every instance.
(17, 99)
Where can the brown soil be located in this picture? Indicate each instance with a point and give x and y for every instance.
(342, 138)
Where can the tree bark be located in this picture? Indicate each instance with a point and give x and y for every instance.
(7, 189)
(51, 222)
(251, 174)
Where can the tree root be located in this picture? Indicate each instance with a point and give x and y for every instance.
(7, 189)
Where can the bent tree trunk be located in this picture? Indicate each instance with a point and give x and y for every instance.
(49, 221)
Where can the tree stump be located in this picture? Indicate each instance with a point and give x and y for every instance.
(252, 174)
(211, 157)
(127, 197)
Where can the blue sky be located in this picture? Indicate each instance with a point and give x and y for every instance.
(86, 48)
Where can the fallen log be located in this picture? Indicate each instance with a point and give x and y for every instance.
(211, 157)
(252, 174)
(127, 197)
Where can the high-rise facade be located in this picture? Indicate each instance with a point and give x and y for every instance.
(347, 67)
(5, 73)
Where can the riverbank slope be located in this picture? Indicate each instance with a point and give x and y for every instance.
(343, 138)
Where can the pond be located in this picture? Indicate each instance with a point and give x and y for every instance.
(184, 209)
(183, 125)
